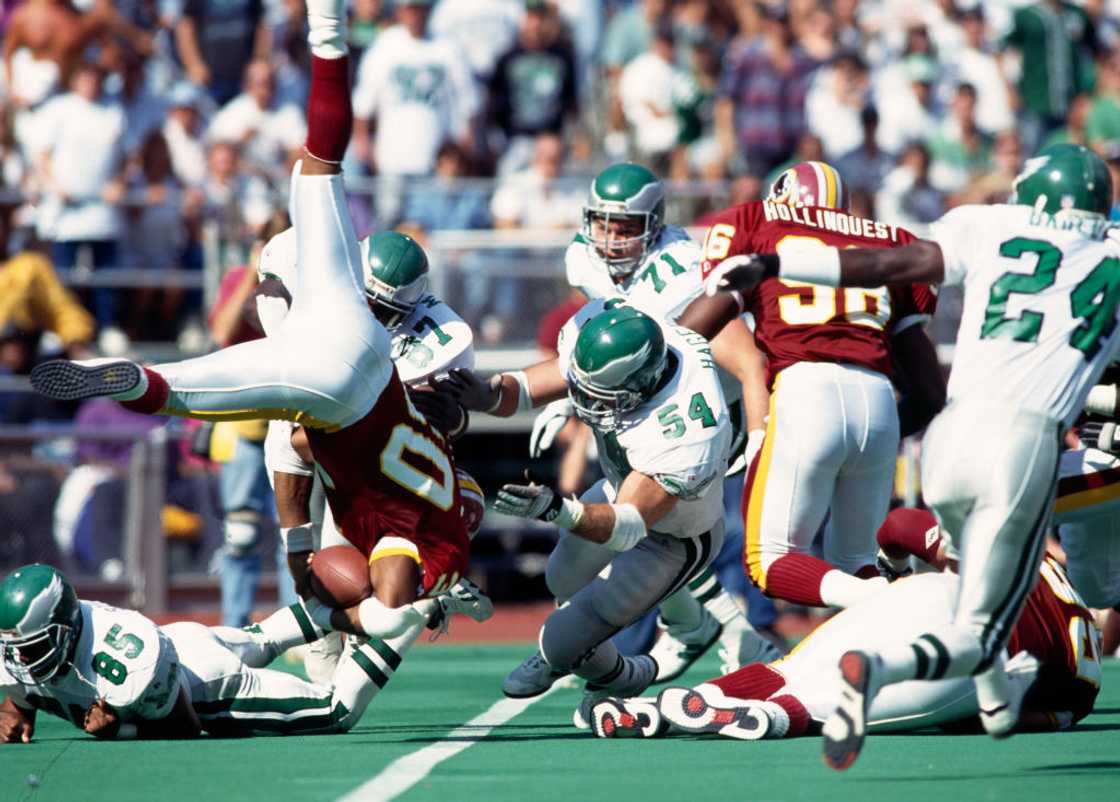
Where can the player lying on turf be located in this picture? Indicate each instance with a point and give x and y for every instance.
(1033, 340)
(115, 674)
(428, 339)
(828, 457)
(386, 471)
(1054, 639)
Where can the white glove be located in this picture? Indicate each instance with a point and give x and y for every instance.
(548, 424)
(750, 450)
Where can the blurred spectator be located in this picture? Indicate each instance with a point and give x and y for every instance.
(761, 107)
(531, 199)
(216, 39)
(80, 167)
(910, 114)
(238, 202)
(533, 87)
(144, 111)
(907, 198)
(1056, 42)
(32, 299)
(976, 65)
(959, 150)
(629, 33)
(815, 30)
(865, 167)
(1074, 132)
(649, 85)
(1103, 124)
(694, 102)
(419, 93)
(365, 25)
(290, 53)
(480, 29)
(834, 104)
(848, 31)
(269, 134)
(996, 185)
(184, 131)
(445, 204)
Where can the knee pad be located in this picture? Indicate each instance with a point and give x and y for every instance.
(242, 531)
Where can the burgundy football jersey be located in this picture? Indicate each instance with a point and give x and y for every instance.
(392, 474)
(800, 322)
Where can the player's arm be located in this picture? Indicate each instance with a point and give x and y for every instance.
(920, 262)
(288, 461)
(17, 723)
(735, 351)
(708, 315)
(103, 721)
(504, 394)
(919, 379)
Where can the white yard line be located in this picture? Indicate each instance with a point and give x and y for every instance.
(406, 771)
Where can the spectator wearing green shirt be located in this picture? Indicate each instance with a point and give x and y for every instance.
(1103, 123)
(1056, 41)
(1074, 131)
(960, 151)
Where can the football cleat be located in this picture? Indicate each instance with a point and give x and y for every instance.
(638, 674)
(532, 678)
(675, 650)
(462, 598)
(64, 380)
(846, 728)
(1000, 691)
(626, 718)
(705, 709)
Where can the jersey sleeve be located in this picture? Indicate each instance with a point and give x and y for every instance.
(577, 267)
(953, 234)
(686, 472)
(279, 453)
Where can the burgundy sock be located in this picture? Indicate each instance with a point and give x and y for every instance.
(752, 681)
(798, 715)
(154, 398)
(908, 531)
(329, 116)
(797, 578)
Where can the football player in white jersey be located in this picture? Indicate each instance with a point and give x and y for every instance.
(428, 339)
(115, 674)
(650, 393)
(626, 250)
(1041, 280)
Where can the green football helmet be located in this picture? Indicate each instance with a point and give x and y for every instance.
(395, 268)
(617, 363)
(1065, 178)
(629, 193)
(40, 623)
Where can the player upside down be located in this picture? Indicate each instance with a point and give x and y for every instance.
(1055, 645)
(387, 472)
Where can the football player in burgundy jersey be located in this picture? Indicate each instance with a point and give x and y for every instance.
(834, 425)
(1056, 643)
(388, 474)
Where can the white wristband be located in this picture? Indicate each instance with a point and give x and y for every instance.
(810, 261)
(298, 538)
(1102, 400)
(629, 528)
(571, 513)
(524, 399)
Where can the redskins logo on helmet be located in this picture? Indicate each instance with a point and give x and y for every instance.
(810, 184)
(474, 502)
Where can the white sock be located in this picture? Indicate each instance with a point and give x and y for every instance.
(843, 590)
(364, 671)
(326, 21)
(289, 626)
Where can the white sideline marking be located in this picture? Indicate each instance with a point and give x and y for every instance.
(406, 771)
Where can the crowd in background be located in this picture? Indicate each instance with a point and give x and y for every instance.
(136, 134)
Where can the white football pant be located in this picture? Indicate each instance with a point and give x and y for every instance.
(1087, 514)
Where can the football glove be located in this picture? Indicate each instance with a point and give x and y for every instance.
(1104, 436)
(440, 410)
(547, 425)
(540, 502)
(472, 393)
(741, 273)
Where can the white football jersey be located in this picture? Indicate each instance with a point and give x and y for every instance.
(1040, 305)
(121, 657)
(431, 341)
(681, 437)
(663, 286)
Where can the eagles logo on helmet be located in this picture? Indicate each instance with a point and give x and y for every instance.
(40, 623)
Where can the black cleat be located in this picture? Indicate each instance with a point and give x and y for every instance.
(64, 380)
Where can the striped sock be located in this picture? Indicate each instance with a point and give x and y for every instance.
(707, 590)
(289, 626)
(364, 671)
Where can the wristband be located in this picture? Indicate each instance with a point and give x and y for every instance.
(564, 512)
(1102, 400)
(298, 538)
(629, 528)
(524, 399)
(810, 262)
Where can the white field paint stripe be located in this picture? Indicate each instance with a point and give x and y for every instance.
(405, 772)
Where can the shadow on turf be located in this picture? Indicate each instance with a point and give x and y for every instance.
(1093, 768)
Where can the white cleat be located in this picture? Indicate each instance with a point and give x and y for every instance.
(532, 678)
(642, 672)
(627, 718)
(705, 709)
(846, 728)
(463, 598)
(676, 650)
(1000, 691)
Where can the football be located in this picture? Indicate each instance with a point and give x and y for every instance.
(340, 576)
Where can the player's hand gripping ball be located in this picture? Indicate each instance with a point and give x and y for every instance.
(340, 577)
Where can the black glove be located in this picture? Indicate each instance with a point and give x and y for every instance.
(742, 272)
(440, 410)
(473, 393)
(1104, 436)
